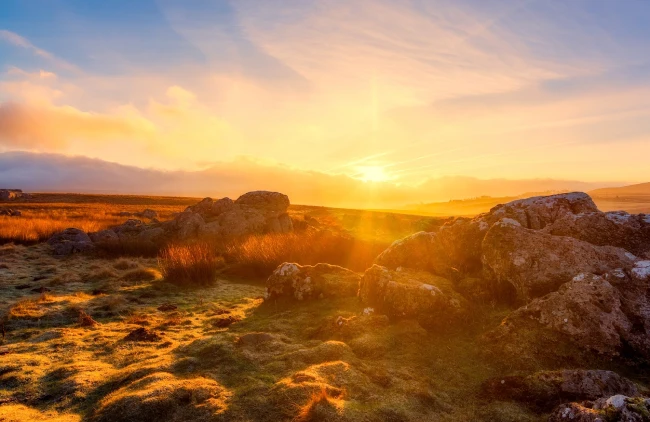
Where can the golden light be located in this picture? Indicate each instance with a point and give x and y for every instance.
(372, 174)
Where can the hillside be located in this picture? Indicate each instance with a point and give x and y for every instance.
(632, 198)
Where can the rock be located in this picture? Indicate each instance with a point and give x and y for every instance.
(537, 263)
(606, 314)
(241, 221)
(628, 231)
(407, 293)
(142, 334)
(10, 212)
(614, 408)
(188, 224)
(148, 214)
(10, 194)
(546, 389)
(167, 307)
(537, 212)
(225, 321)
(302, 282)
(270, 203)
(104, 236)
(70, 241)
(415, 251)
(129, 229)
(152, 234)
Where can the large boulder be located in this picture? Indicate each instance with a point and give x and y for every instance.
(537, 263)
(70, 241)
(407, 293)
(546, 389)
(628, 231)
(10, 194)
(130, 229)
(302, 282)
(270, 203)
(537, 212)
(188, 224)
(615, 408)
(608, 314)
(107, 236)
(456, 248)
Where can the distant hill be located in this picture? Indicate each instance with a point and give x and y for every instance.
(641, 189)
(470, 206)
(632, 198)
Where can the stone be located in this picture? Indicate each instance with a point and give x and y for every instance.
(615, 408)
(407, 293)
(303, 282)
(104, 236)
(70, 241)
(148, 213)
(9, 212)
(537, 263)
(545, 390)
(628, 231)
(271, 203)
(188, 224)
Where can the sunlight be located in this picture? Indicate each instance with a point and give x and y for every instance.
(372, 174)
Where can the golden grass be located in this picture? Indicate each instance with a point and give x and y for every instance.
(47, 214)
(190, 264)
(263, 253)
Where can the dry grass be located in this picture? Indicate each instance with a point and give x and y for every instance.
(190, 264)
(262, 254)
(47, 214)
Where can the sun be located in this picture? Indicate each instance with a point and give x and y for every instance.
(372, 174)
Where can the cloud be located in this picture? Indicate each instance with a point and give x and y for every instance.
(19, 41)
(51, 127)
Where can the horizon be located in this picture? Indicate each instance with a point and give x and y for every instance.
(333, 93)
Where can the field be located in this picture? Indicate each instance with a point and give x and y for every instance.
(208, 346)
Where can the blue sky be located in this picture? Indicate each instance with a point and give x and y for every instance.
(393, 91)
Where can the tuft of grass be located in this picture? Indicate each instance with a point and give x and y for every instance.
(320, 407)
(261, 254)
(190, 264)
(125, 264)
(140, 274)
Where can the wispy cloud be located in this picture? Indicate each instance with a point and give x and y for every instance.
(20, 41)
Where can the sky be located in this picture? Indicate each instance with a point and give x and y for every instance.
(391, 93)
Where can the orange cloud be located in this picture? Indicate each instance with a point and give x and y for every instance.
(52, 127)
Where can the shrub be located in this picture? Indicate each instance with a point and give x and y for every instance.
(190, 264)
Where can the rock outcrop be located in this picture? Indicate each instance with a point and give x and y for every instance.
(256, 212)
(605, 314)
(407, 293)
(11, 194)
(545, 390)
(70, 241)
(303, 282)
(614, 408)
(537, 263)
(9, 212)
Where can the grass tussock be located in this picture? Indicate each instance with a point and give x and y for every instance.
(262, 254)
(190, 264)
(141, 274)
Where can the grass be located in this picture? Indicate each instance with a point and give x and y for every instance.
(190, 264)
(47, 214)
(261, 254)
